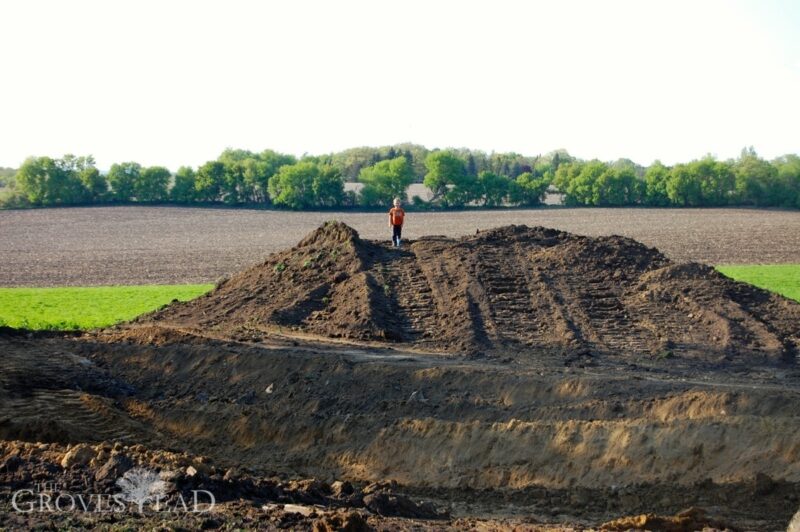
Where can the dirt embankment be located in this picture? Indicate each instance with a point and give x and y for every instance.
(235, 498)
(483, 437)
(510, 290)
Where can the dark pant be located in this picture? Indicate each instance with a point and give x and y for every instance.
(396, 229)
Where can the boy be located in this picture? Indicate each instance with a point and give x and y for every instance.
(396, 215)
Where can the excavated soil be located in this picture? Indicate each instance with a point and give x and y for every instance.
(509, 290)
(243, 500)
(519, 377)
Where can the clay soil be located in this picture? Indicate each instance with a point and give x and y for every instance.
(517, 377)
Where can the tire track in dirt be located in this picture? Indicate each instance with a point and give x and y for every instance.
(514, 291)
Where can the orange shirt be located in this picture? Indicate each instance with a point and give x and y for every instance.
(396, 215)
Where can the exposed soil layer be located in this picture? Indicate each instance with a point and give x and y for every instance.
(46, 486)
(532, 442)
(53, 477)
(509, 290)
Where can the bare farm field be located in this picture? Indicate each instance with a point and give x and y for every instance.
(142, 245)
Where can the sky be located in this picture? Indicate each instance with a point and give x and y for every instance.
(174, 83)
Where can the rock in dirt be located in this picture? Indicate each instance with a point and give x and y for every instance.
(687, 521)
(342, 488)
(794, 524)
(231, 475)
(115, 467)
(388, 504)
(350, 521)
(417, 396)
(78, 455)
(168, 475)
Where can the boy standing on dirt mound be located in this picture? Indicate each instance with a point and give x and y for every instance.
(396, 216)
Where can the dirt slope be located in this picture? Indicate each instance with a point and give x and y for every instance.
(483, 437)
(509, 290)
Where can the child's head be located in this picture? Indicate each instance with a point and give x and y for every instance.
(396, 202)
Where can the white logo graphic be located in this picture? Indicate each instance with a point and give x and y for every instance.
(140, 486)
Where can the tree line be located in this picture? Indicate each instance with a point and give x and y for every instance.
(707, 182)
(455, 178)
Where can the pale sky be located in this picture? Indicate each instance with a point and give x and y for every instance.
(175, 82)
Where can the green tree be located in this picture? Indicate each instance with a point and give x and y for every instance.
(123, 178)
(528, 190)
(472, 165)
(683, 187)
(655, 179)
(94, 183)
(328, 186)
(564, 176)
(704, 182)
(578, 181)
(385, 181)
(65, 184)
(556, 158)
(351, 161)
(209, 181)
(509, 164)
(32, 179)
(448, 180)
(615, 187)
(465, 189)
(597, 183)
(7, 177)
(247, 174)
(716, 179)
(788, 167)
(493, 188)
(233, 188)
(627, 164)
(233, 183)
(183, 190)
(46, 181)
(254, 181)
(756, 180)
(153, 184)
(259, 171)
(293, 185)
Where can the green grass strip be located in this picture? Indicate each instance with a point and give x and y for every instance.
(783, 279)
(81, 308)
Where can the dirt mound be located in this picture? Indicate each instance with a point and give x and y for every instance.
(511, 289)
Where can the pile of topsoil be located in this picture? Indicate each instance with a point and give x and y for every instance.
(513, 289)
